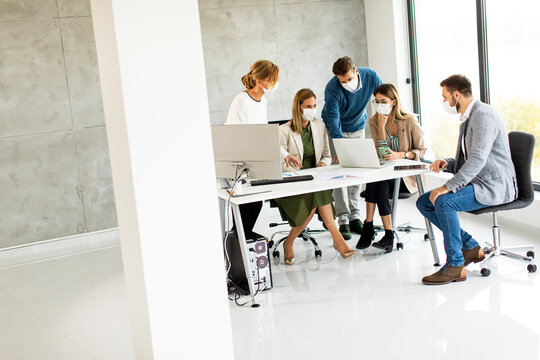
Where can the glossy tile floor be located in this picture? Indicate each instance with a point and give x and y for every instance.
(70, 308)
(372, 306)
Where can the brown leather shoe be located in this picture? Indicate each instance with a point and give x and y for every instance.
(474, 255)
(445, 275)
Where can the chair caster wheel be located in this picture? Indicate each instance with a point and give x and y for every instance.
(485, 272)
(530, 254)
(318, 253)
(270, 244)
(426, 237)
(531, 268)
(275, 254)
(399, 246)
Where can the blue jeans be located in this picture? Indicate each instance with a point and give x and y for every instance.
(444, 216)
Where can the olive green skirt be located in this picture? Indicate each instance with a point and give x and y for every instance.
(296, 209)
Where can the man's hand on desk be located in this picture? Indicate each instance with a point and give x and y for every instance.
(291, 160)
(321, 164)
(441, 190)
(438, 165)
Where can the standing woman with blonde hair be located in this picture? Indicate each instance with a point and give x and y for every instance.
(250, 107)
(393, 128)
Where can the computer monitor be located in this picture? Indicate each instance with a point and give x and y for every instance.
(256, 147)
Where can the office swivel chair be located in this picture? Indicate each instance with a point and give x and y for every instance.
(521, 149)
(305, 235)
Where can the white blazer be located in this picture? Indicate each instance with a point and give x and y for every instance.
(292, 142)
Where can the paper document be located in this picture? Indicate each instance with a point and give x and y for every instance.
(333, 172)
(341, 174)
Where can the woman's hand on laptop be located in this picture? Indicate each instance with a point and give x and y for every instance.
(291, 161)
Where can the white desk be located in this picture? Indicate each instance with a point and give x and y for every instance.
(322, 181)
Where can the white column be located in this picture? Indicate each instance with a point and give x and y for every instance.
(388, 44)
(156, 111)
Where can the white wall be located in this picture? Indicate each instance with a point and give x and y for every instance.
(388, 44)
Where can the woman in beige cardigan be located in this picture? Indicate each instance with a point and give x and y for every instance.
(393, 128)
(305, 138)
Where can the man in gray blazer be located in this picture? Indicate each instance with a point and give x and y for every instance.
(484, 176)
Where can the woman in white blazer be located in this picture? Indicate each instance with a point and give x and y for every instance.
(305, 138)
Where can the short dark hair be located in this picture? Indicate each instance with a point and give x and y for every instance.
(458, 83)
(343, 65)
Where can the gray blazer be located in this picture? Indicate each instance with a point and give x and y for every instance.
(489, 167)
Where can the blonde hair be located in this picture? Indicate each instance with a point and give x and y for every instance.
(261, 70)
(301, 95)
(390, 92)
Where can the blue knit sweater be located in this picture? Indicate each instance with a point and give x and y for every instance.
(345, 111)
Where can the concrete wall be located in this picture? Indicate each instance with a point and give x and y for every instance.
(302, 37)
(54, 165)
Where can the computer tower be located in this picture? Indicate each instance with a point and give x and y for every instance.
(259, 261)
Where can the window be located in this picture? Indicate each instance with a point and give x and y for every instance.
(513, 31)
(446, 43)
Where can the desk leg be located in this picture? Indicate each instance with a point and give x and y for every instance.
(395, 198)
(244, 250)
(429, 228)
(223, 215)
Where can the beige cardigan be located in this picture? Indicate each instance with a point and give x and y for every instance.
(411, 138)
(292, 142)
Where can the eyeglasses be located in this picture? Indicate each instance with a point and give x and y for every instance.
(374, 101)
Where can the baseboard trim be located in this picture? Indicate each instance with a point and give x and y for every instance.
(59, 247)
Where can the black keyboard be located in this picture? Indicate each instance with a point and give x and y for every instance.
(286, 179)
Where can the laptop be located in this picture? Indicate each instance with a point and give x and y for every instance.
(358, 153)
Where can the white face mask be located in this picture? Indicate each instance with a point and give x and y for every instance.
(309, 114)
(271, 90)
(450, 109)
(351, 85)
(383, 109)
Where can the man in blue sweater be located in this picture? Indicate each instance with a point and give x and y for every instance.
(346, 96)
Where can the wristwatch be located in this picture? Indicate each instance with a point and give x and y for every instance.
(406, 154)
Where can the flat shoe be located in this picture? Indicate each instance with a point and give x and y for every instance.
(345, 231)
(474, 255)
(356, 226)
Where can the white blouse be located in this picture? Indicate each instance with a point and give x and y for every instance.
(245, 110)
